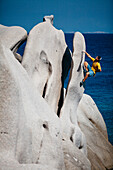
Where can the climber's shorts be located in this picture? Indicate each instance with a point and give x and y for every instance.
(91, 73)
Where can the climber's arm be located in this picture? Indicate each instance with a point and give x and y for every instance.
(89, 56)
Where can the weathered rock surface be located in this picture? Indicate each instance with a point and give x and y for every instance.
(27, 124)
(49, 19)
(74, 159)
(12, 37)
(100, 151)
(43, 57)
(68, 115)
(29, 130)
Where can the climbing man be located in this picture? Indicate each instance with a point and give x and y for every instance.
(91, 71)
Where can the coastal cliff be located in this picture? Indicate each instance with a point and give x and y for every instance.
(32, 135)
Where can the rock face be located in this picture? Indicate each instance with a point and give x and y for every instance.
(42, 60)
(68, 116)
(32, 136)
(100, 151)
(73, 158)
(12, 38)
(29, 130)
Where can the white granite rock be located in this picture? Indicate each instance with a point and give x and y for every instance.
(11, 37)
(89, 108)
(100, 151)
(29, 130)
(49, 19)
(30, 133)
(42, 60)
(74, 159)
(68, 114)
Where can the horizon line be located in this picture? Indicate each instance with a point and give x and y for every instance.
(95, 32)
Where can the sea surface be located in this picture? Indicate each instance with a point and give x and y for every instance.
(100, 87)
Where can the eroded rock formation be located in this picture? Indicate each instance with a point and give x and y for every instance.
(100, 151)
(27, 122)
(32, 136)
(68, 116)
(42, 60)
(12, 38)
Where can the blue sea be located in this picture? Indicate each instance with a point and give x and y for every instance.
(100, 87)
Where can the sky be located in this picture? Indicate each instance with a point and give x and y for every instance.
(69, 15)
